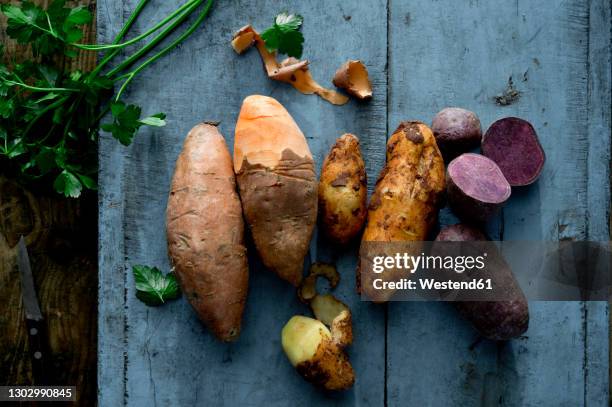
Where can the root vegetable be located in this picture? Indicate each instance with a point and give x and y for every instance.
(352, 76)
(317, 353)
(477, 189)
(278, 188)
(326, 308)
(495, 320)
(408, 194)
(457, 131)
(206, 232)
(343, 191)
(513, 144)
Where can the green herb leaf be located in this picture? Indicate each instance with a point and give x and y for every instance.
(77, 17)
(291, 43)
(88, 182)
(127, 121)
(288, 22)
(153, 287)
(156, 120)
(68, 184)
(284, 36)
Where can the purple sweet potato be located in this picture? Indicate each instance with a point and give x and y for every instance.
(513, 144)
(457, 131)
(495, 320)
(476, 187)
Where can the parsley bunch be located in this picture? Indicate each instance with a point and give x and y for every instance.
(285, 36)
(50, 117)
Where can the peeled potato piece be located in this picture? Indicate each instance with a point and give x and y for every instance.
(326, 308)
(318, 353)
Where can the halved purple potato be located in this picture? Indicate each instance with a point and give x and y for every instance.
(513, 144)
(476, 187)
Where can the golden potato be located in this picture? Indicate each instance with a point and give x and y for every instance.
(343, 191)
(407, 197)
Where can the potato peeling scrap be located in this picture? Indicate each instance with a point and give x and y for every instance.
(291, 70)
(352, 76)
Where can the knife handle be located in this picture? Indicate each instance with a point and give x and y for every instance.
(38, 352)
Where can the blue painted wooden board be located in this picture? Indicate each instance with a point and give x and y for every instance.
(431, 54)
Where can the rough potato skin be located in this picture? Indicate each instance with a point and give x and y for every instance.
(407, 197)
(457, 131)
(280, 206)
(329, 368)
(205, 232)
(343, 191)
(495, 320)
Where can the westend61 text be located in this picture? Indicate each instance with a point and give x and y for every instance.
(431, 284)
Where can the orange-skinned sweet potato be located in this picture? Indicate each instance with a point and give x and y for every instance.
(278, 187)
(206, 232)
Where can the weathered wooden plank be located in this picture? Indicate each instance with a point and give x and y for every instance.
(111, 258)
(61, 239)
(600, 123)
(168, 357)
(464, 58)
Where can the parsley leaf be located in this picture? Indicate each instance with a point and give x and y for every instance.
(127, 121)
(77, 17)
(153, 287)
(287, 22)
(68, 184)
(285, 36)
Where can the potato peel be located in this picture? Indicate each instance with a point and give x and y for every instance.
(308, 289)
(353, 77)
(290, 71)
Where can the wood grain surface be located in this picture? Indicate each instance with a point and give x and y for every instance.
(422, 56)
(61, 239)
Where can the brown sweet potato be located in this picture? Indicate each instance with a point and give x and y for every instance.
(495, 320)
(408, 194)
(278, 187)
(206, 232)
(476, 187)
(513, 144)
(457, 131)
(343, 191)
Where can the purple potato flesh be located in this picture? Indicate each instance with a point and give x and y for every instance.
(476, 187)
(513, 144)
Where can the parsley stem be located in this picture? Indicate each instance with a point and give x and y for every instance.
(133, 58)
(39, 89)
(100, 47)
(168, 48)
(128, 24)
(40, 114)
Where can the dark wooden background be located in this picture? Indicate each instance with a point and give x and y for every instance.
(61, 237)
